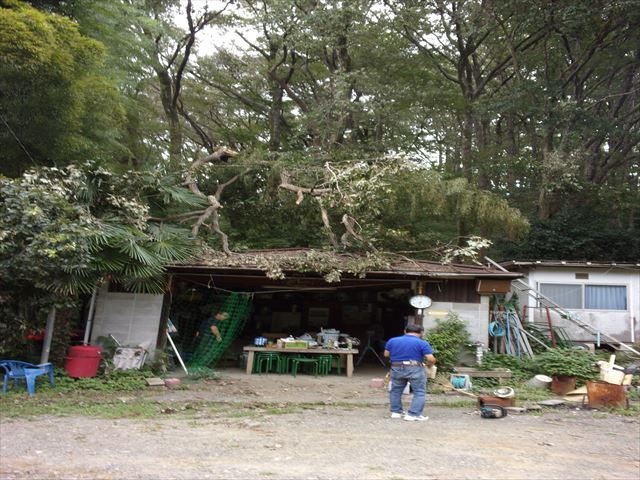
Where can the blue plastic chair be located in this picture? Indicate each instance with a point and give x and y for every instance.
(17, 371)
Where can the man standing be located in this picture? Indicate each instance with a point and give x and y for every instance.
(210, 325)
(408, 354)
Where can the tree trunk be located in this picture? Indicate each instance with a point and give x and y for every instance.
(48, 335)
(275, 117)
(172, 115)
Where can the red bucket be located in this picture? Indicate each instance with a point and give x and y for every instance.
(82, 361)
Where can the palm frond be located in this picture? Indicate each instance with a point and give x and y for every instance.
(140, 253)
(181, 195)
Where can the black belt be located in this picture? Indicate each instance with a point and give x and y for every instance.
(407, 363)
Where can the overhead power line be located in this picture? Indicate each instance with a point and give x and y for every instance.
(17, 139)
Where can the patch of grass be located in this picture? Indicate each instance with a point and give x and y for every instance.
(599, 415)
(632, 411)
(530, 394)
(110, 406)
(113, 408)
(202, 373)
(115, 381)
(538, 413)
(456, 403)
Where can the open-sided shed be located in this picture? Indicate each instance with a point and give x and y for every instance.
(297, 291)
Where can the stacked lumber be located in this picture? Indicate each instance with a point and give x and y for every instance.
(508, 335)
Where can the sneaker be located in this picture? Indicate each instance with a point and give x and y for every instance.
(411, 418)
(397, 415)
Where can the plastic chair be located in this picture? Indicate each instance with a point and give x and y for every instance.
(325, 364)
(296, 362)
(266, 361)
(17, 370)
(288, 362)
(328, 360)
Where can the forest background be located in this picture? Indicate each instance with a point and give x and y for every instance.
(135, 132)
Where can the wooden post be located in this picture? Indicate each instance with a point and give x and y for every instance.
(48, 335)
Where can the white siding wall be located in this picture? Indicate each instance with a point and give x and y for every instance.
(622, 325)
(132, 318)
(475, 315)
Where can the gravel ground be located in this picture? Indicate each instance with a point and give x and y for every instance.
(253, 427)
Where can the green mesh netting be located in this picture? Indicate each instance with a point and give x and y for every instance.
(208, 350)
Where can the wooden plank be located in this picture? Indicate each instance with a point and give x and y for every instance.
(472, 372)
(154, 382)
(250, 361)
(349, 365)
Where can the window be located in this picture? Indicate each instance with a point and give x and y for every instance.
(605, 297)
(567, 296)
(588, 297)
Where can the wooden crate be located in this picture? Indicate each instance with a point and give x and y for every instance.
(487, 287)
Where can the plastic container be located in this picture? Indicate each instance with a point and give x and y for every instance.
(83, 361)
(377, 382)
(329, 336)
(460, 381)
(540, 381)
(504, 392)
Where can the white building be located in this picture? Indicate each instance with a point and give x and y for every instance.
(603, 296)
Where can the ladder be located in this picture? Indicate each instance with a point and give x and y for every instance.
(544, 301)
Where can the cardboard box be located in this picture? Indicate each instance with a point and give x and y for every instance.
(296, 344)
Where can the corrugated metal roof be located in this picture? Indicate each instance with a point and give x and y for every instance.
(514, 264)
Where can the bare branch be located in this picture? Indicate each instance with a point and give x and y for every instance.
(327, 224)
(300, 191)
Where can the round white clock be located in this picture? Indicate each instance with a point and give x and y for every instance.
(420, 301)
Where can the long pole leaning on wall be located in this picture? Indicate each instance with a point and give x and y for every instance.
(173, 345)
(48, 335)
(92, 306)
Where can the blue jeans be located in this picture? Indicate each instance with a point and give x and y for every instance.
(418, 379)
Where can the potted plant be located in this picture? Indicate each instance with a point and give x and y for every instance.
(565, 366)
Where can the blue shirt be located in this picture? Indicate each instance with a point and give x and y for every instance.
(205, 325)
(408, 347)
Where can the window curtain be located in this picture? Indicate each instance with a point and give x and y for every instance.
(605, 297)
(566, 296)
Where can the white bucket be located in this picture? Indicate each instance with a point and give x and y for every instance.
(504, 392)
(540, 381)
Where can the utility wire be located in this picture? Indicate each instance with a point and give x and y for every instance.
(17, 139)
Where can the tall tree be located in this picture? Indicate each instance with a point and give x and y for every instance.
(56, 106)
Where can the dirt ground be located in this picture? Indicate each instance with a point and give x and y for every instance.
(248, 427)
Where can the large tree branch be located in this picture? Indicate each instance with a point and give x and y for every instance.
(286, 184)
(211, 212)
(324, 214)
